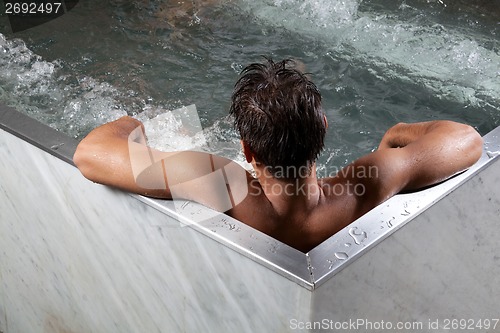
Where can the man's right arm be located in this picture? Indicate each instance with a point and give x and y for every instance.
(116, 154)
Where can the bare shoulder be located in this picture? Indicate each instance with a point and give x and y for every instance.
(365, 183)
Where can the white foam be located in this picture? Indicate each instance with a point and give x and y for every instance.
(174, 130)
(37, 88)
(442, 59)
(181, 129)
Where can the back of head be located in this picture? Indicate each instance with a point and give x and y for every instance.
(277, 111)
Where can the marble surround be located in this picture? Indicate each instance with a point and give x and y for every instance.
(81, 257)
(445, 264)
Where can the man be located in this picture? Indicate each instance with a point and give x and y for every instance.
(278, 113)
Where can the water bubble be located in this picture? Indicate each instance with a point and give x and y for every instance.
(236, 67)
(357, 235)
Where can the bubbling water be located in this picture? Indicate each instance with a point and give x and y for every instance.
(373, 61)
(36, 87)
(452, 64)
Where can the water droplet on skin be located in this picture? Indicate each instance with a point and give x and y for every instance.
(341, 255)
(358, 235)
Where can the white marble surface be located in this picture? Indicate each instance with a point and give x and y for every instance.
(445, 264)
(80, 257)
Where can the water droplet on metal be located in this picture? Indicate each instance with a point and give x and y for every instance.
(57, 146)
(492, 154)
(341, 255)
(358, 235)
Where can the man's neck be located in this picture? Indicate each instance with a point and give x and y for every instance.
(290, 196)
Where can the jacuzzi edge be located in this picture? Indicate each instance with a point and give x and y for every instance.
(309, 270)
(245, 240)
(390, 216)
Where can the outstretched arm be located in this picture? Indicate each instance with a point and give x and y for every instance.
(431, 151)
(411, 157)
(116, 154)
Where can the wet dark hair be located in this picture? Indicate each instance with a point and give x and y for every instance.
(277, 111)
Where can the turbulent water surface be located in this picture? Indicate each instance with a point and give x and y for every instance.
(376, 63)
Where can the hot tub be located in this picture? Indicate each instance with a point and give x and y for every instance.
(81, 257)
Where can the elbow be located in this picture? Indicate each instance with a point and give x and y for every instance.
(474, 144)
(478, 147)
(82, 158)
